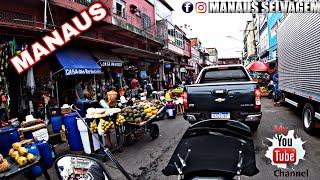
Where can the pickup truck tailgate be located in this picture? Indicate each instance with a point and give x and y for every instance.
(222, 97)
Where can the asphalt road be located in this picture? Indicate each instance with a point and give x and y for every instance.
(146, 158)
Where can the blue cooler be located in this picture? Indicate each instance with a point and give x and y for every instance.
(8, 136)
(73, 134)
(46, 153)
(56, 123)
(36, 170)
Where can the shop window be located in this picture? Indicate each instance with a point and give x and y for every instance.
(146, 22)
(120, 8)
(171, 32)
(179, 39)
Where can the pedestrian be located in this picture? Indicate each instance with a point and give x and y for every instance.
(134, 86)
(79, 91)
(276, 89)
(189, 79)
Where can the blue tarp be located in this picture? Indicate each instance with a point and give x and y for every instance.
(77, 61)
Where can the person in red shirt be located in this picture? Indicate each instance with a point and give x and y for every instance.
(134, 86)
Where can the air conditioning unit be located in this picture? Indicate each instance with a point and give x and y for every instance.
(133, 8)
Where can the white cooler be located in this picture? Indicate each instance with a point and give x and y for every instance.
(85, 138)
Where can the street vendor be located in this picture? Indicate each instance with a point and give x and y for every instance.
(79, 90)
(112, 97)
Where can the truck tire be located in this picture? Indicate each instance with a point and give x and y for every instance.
(308, 119)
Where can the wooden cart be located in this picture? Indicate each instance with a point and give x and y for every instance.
(133, 130)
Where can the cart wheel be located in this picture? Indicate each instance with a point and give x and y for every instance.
(130, 140)
(154, 131)
(120, 150)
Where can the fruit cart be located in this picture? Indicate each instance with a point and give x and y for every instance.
(139, 119)
(108, 125)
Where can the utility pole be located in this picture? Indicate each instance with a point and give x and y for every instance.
(45, 14)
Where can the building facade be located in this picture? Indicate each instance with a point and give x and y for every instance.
(274, 20)
(213, 56)
(200, 55)
(125, 44)
(227, 61)
(263, 47)
(250, 50)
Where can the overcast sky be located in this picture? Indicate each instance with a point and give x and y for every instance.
(212, 29)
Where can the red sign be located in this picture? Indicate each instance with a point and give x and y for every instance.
(284, 155)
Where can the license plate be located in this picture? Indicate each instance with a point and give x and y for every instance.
(220, 115)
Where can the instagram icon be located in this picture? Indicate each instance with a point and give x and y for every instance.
(201, 7)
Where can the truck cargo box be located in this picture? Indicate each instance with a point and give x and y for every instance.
(299, 55)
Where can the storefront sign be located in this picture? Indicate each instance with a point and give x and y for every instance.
(95, 13)
(81, 71)
(110, 64)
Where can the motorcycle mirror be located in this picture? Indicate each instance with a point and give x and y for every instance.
(80, 167)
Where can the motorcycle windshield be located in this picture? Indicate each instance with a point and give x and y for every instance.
(215, 147)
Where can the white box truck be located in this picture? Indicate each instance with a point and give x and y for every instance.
(299, 66)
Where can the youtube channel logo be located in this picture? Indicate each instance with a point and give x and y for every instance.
(200, 7)
(286, 149)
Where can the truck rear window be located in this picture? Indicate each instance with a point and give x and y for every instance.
(224, 75)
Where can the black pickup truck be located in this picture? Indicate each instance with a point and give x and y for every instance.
(223, 92)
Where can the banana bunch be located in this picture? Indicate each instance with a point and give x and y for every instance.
(107, 125)
(120, 120)
(93, 127)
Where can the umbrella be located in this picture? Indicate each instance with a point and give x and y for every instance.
(258, 66)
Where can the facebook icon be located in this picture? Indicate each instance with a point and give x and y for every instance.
(187, 7)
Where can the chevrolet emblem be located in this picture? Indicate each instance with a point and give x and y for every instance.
(220, 100)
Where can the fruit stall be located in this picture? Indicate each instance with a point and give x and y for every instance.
(139, 119)
(21, 158)
(30, 146)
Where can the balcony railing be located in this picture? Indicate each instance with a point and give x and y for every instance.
(16, 18)
(134, 24)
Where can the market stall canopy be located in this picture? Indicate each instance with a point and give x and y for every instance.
(77, 62)
(257, 66)
(107, 60)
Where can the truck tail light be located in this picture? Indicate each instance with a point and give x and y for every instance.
(257, 96)
(185, 100)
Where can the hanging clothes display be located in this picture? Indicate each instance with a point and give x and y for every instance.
(5, 54)
(30, 81)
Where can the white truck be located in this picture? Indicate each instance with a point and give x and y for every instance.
(299, 66)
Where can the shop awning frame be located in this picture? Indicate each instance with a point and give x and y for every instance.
(77, 62)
